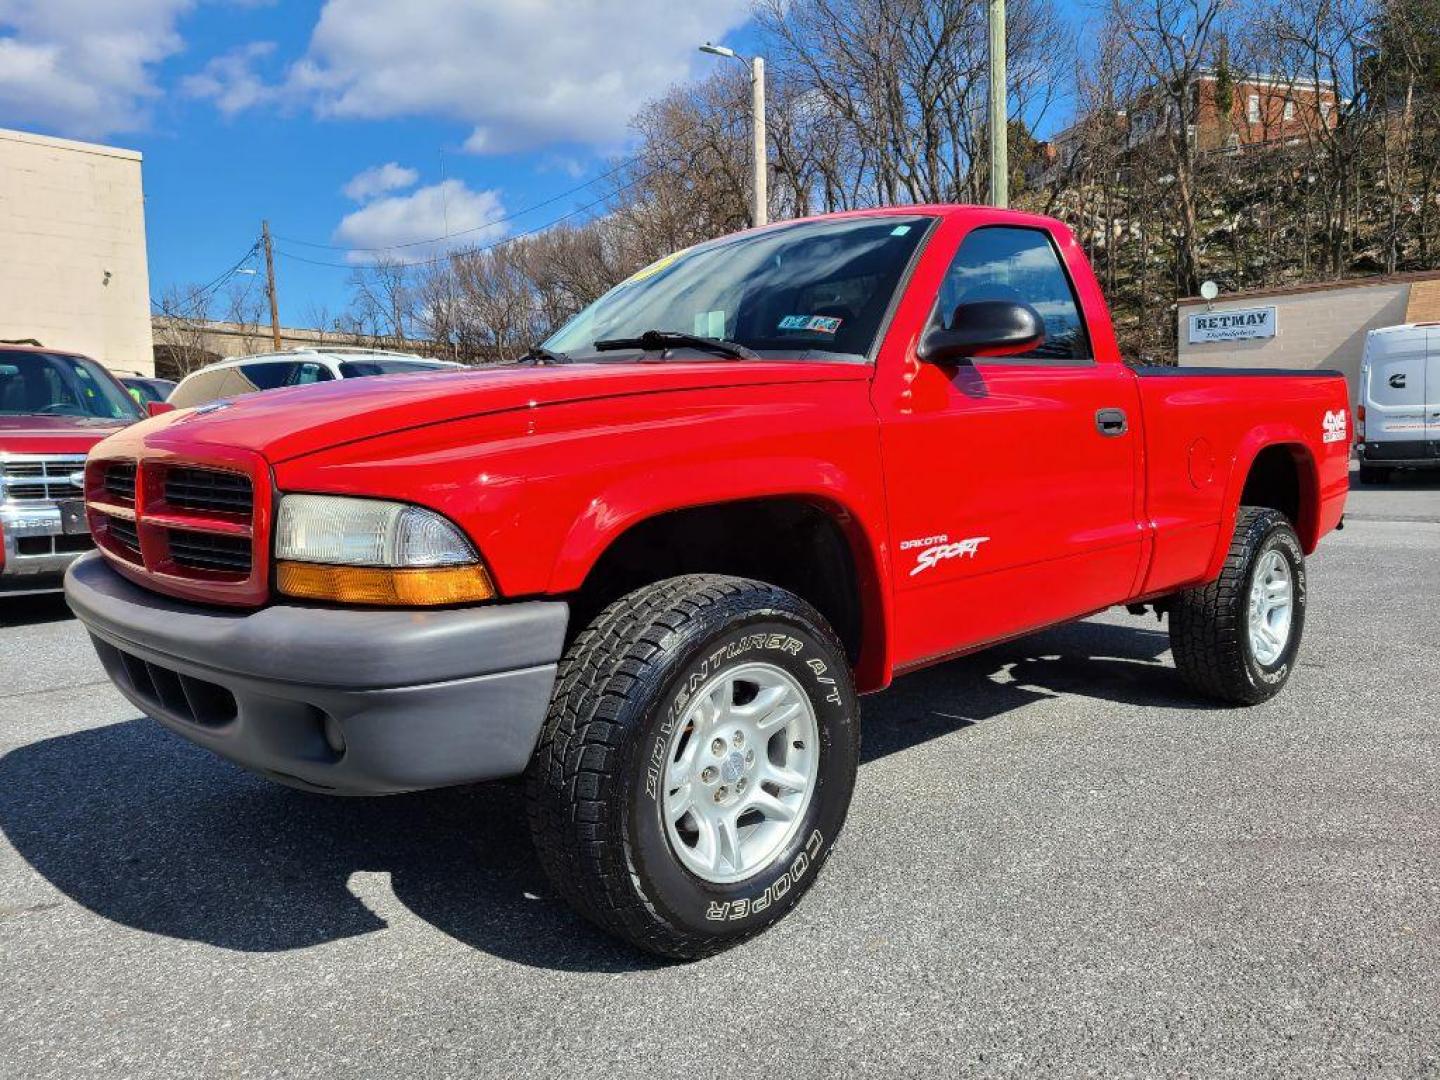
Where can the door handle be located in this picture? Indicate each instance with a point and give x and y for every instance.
(1111, 422)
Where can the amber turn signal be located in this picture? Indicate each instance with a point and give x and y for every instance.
(410, 587)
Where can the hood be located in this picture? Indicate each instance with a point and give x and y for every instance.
(284, 424)
(37, 434)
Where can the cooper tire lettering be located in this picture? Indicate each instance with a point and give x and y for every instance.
(599, 778)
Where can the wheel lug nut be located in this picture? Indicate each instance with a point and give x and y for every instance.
(708, 774)
(717, 747)
(738, 739)
(721, 792)
(749, 757)
(740, 784)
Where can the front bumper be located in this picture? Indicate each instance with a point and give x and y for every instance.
(353, 702)
(36, 548)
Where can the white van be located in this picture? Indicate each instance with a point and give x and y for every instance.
(298, 367)
(1398, 421)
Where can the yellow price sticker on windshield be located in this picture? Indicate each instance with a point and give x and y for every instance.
(655, 267)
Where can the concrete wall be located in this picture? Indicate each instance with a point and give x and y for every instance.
(70, 212)
(183, 346)
(1316, 327)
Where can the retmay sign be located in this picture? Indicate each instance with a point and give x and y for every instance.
(1242, 324)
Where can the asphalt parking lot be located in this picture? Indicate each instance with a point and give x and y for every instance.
(1057, 862)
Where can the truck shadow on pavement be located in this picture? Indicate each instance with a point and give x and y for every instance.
(33, 610)
(1122, 664)
(153, 833)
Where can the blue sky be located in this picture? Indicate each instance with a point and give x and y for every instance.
(336, 119)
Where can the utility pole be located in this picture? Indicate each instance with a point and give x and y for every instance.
(760, 207)
(270, 284)
(999, 109)
(759, 166)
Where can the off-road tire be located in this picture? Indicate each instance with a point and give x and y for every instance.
(1375, 474)
(592, 782)
(1209, 628)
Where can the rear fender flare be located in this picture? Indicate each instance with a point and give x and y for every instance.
(1255, 441)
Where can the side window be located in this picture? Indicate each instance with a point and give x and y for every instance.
(1006, 263)
(266, 375)
(307, 373)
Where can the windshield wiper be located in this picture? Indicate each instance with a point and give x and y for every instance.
(660, 340)
(538, 354)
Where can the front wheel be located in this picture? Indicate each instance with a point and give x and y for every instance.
(1235, 639)
(697, 763)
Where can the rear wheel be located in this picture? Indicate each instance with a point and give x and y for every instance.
(697, 763)
(1375, 474)
(1235, 639)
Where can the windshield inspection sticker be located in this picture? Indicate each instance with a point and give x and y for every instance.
(1333, 427)
(816, 324)
(939, 548)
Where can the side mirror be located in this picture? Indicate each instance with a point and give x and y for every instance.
(155, 408)
(983, 328)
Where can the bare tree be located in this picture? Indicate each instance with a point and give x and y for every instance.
(1321, 47)
(182, 330)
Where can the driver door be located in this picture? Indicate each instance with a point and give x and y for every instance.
(1010, 507)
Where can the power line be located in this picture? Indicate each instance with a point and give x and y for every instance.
(479, 250)
(474, 229)
(194, 299)
(228, 274)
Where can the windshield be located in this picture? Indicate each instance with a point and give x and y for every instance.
(56, 384)
(811, 290)
(359, 369)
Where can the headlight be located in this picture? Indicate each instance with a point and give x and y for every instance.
(370, 551)
(366, 532)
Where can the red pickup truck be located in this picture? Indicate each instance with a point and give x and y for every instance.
(651, 565)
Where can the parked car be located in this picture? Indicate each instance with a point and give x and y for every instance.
(299, 367)
(1398, 418)
(147, 388)
(54, 406)
(652, 568)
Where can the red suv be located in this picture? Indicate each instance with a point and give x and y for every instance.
(54, 406)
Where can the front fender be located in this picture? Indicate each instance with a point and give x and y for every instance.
(544, 492)
(854, 506)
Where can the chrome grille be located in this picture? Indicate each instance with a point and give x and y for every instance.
(26, 478)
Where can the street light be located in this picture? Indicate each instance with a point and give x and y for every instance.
(759, 207)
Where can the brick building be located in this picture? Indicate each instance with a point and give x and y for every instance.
(1263, 110)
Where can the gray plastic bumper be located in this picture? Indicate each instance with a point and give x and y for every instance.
(353, 702)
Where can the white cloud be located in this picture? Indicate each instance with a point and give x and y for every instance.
(403, 226)
(231, 81)
(519, 73)
(82, 67)
(377, 180)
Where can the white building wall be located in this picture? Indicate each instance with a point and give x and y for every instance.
(1322, 327)
(69, 213)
